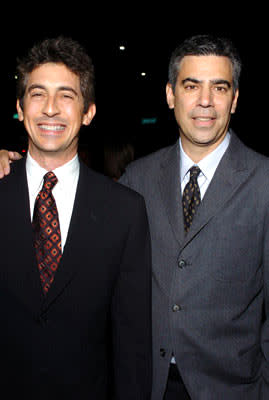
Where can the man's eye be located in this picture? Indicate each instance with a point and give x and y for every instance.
(221, 89)
(36, 94)
(67, 96)
(190, 87)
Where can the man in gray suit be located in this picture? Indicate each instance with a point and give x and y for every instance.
(210, 281)
(210, 277)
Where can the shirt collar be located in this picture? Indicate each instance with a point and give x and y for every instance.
(207, 165)
(35, 173)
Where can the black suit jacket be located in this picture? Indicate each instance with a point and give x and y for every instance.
(90, 337)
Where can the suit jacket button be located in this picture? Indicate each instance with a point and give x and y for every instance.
(176, 307)
(182, 263)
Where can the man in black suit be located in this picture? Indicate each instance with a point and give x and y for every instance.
(210, 278)
(75, 305)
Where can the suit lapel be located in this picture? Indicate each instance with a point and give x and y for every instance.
(231, 172)
(79, 232)
(170, 188)
(22, 270)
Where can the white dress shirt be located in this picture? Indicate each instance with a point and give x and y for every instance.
(207, 165)
(64, 191)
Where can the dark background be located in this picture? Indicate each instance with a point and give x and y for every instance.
(123, 97)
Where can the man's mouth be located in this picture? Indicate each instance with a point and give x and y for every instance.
(204, 118)
(204, 122)
(52, 128)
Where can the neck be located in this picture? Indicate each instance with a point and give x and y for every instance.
(50, 162)
(198, 151)
(195, 154)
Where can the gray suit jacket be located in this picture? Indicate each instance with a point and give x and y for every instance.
(211, 287)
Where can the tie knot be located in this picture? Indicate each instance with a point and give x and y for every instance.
(194, 172)
(50, 180)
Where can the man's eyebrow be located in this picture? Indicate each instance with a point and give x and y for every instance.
(221, 82)
(67, 89)
(59, 89)
(35, 86)
(193, 80)
(213, 81)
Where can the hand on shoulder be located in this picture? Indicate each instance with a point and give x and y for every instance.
(7, 157)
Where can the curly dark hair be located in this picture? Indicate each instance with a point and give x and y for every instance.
(61, 50)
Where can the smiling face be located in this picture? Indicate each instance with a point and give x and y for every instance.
(203, 102)
(53, 113)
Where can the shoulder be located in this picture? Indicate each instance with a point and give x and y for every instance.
(17, 172)
(117, 206)
(112, 195)
(152, 160)
(148, 167)
(253, 169)
(245, 154)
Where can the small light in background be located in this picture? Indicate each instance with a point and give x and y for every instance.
(16, 76)
(15, 116)
(23, 151)
(122, 48)
(143, 74)
(149, 121)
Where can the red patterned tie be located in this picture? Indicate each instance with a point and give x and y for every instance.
(47, 235)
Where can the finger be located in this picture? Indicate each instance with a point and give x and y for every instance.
(4, 163)
(14, 155)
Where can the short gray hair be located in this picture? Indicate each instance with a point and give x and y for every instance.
(205, 45)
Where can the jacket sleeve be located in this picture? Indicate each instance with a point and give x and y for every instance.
(265, 326)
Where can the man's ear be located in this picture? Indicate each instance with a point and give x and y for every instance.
(170, 96)
(234, 104)
(88, 116)
(20, 110)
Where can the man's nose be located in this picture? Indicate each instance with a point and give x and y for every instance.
(206, 97)
(51, 107)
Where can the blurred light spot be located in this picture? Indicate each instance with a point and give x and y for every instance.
(148, 121)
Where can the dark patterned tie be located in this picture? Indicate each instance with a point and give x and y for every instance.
(191, 198)
(47, 235)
